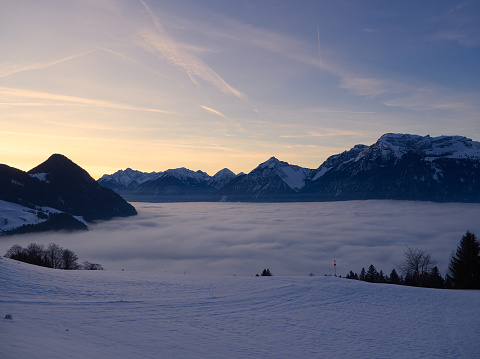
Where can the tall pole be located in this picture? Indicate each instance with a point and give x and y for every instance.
(335, 266)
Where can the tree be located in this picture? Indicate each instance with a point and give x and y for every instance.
(266, 273)
(394, 278)
(362, 274)
(16, 252)
(352, 275)
(434, 279)
(36, 255)
(69, 260)
(372, 274)
(416, 266)
(465, 263)
(53, 255)
(86, 265)
(381, 277)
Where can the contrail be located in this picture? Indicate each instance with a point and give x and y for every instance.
(319, 51)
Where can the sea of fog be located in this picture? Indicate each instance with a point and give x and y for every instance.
(288, 238)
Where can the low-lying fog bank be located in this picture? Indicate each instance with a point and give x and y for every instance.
(287, 238)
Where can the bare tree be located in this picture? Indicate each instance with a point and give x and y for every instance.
(54, 254)
(69, 260)
(17, 253)
(416, 266)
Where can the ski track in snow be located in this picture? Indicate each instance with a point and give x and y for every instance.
(115, 314)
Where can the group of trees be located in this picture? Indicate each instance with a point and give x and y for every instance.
(429, 279)
(265, 273)
(52, 256)
(420, 270)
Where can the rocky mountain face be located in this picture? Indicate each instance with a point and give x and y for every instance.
(271, 181)
(406, 167)
(174, 185)
(397, 166)
(63, 186)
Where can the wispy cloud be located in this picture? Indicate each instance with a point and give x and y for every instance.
(21, 94)
(460, 24)
(159, 43)
(10, 69)
(214, 111)
(369, 86)
(433, 99)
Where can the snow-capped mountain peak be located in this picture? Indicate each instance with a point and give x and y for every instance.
(129, 177)
(184, 173)
(396, 145)
(293, 176)
(221, 178)
(272, 162)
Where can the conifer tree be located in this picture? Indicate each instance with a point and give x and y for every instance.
(434, 279)
(372, 274)
(465, 263)
(266, 273)
(394, 278)
(362, 274)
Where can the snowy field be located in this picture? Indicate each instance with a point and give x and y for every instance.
(288, 238)
(115, 314)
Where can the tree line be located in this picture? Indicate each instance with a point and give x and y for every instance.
(419, 269)
(51, 256)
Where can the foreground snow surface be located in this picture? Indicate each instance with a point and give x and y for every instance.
(110, 314)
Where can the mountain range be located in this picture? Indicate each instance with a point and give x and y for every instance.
(55, 195)
(397, 166)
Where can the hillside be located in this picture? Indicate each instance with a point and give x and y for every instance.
(59, 194)
(104, 314)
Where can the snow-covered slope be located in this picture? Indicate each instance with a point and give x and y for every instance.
(293, 176)
(272, 180)
(104, 314)
(16, 219)
(405, 167)
(221, 178)
(13, 215)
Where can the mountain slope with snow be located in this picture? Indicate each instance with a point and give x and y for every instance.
(272, 180)
(173, 185)
(397, 166)
(61, 185)
(105, 314)
(405, 167)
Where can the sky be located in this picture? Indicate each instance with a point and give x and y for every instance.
(288, 238)
(153, 84)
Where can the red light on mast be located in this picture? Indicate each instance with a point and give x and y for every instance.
(335, 266)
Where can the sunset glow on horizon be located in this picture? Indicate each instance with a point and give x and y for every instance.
(153, 85)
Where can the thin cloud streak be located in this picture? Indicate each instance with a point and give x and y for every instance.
(214, 111)
(12, 69)
(161, 44)
(19, 94)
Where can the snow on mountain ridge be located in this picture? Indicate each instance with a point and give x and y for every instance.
(129, 176)
(396, 145)
(221, 178)
(183, 173)
(293, 176)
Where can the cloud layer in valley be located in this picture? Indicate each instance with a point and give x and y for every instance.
(287, 238)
